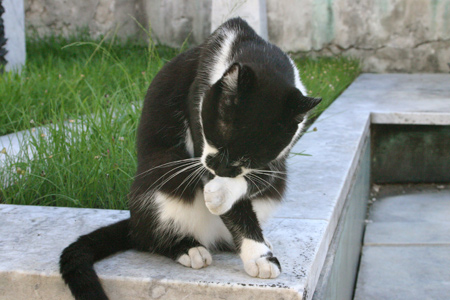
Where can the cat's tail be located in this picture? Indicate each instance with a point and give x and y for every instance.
(77, 260)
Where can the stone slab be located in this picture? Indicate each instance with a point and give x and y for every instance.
(14, 22)
(411, 118)
(407, 233)
(429, 207)
(403, 273)
(32, 238)
(410, 219)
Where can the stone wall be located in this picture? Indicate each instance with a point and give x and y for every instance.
(388, 35)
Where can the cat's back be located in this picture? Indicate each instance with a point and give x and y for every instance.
(235, 41)
(176, 76)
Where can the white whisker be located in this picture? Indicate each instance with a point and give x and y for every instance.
(263, 181)
(192, 165)
(170, 163)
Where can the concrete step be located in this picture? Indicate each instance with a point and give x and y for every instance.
(32, 239)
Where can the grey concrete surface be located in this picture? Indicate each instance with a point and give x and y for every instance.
(426, 207)
(406, 250)
(404, 273)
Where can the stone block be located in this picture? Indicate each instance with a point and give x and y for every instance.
(32, 238)
(428, 207)
(14, 23)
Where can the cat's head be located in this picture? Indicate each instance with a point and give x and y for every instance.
(250, 119)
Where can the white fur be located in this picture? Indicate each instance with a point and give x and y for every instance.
(222, 57)
(207, 150)
(188, 141)
(194, 219)
(297, 81)
(221, 63)
(299, 85)
(197, 258)
(256, 264)
(288, 148)
(222, 192)
(264, 208)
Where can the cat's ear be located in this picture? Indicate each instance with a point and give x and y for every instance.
(299, 105)
(237, 77)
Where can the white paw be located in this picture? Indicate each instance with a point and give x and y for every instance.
(268, 243)
(197, 258)
(263, 267)
(258, 259)
(222, 192)
(217, 198)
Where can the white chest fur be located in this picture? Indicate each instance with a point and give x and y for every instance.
(192, 219)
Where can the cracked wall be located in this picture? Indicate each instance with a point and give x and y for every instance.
(387, 35)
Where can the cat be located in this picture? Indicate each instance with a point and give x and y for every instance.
(217, 125)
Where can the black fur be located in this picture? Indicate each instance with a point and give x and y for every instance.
(250, 115)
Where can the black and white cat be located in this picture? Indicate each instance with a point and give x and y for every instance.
(217, 125)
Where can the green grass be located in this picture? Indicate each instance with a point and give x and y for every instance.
(327, 78)
(88, 95)
(60, 73)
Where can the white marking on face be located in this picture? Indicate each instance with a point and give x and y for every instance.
(222, 192)
(192, 219)
(207, 150)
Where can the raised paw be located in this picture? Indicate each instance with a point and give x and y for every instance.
(264, 267)
(216, 199)
(196, 258)
(222, 192)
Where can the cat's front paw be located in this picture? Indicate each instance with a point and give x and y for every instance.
(265, 267)
(258, 259)
(222, 192)
(196, 258)
(216, 198)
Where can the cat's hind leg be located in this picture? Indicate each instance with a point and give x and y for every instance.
(196, 258)
(188, 252)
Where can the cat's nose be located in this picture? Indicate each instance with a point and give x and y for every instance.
(221, 166)
(227, 171)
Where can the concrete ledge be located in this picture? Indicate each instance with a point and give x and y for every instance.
(31, 238)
